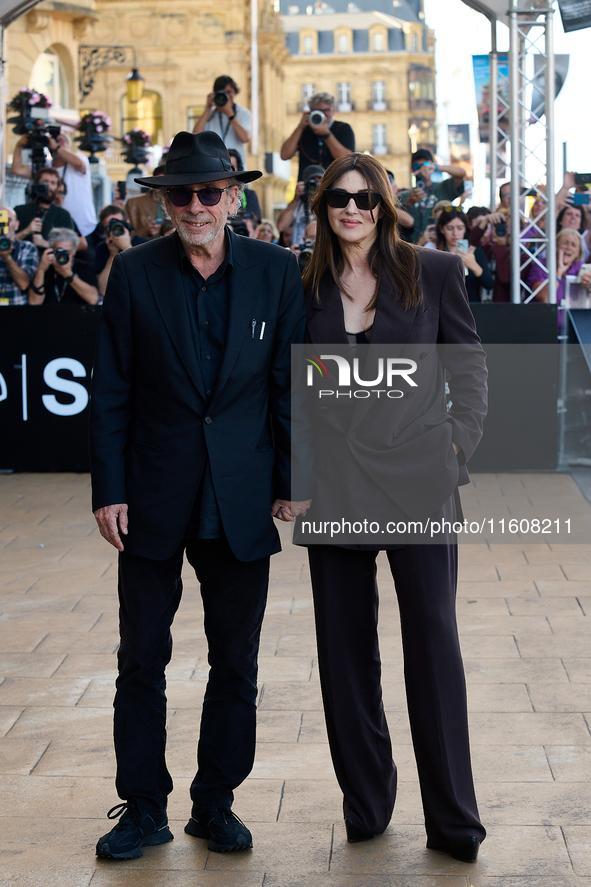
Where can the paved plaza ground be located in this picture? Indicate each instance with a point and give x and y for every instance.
(525, 622)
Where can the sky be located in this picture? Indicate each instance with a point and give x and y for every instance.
(460, 33)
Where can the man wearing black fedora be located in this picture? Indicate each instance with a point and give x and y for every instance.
(190, 446)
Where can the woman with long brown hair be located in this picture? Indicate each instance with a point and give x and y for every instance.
(364, 285)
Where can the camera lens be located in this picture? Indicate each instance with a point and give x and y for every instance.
(220, 98)
(317, 118)
(62, 256)
(4, 242)
(116, 228)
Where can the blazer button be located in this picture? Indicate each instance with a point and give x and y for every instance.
(208, 420)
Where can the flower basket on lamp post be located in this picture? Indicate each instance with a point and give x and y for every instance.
(136, 148)
(94, 127)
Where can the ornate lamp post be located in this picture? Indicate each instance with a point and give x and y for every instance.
(92, 58)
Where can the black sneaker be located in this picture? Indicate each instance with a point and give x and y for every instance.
(223, 828)
(135, 829)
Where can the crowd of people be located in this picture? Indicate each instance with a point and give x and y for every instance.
(431, 214)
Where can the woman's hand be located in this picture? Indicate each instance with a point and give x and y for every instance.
(469, 259)
(561, 264)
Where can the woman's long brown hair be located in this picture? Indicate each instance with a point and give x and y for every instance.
(390, 257)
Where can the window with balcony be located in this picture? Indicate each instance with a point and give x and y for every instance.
(421, 88)
(379, 139)
(344, 97)
(49, 77)
(378, 95)
(308, 90)
(145, 114)
(378, 43)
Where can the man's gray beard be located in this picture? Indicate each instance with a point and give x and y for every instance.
(198, 239)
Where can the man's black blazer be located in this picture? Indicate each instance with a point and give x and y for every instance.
(404, 446)
(151, 427)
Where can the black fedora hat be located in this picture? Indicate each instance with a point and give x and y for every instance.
(197, 158)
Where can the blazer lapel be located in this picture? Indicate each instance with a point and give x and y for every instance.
(166, 280)
(244, 284)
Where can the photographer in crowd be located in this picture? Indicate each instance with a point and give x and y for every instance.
(296, 214)
(420, 200)
(18, 261)
(118, 238)
(61, 278)
(226, 117)
(74, 168)
(37, 217)
(145, 212)
(249, 202)
(318, 137)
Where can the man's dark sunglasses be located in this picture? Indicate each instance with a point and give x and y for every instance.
(363, 199)
(184, 196)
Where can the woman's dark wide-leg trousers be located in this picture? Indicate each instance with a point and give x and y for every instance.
(346, 605)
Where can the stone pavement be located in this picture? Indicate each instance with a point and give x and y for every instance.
(524, 613)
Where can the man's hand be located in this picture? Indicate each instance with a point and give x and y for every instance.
(118, 244)
(415, 196)
(64, 270)
(285, 510)
(46, 260)
(112, 520)
(322, 130)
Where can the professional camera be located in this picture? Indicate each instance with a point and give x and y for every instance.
(62, 256)
(220, 98)
(238, 226)
(5, 242)
(306, 248)
(39, 193)
(501, 229)
(317, 118)
(118, 227)
(310, 187)
(420, 181)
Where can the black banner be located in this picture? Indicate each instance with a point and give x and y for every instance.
(575, 14)
(46, 356)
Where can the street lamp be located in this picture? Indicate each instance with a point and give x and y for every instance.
(135, 86)
(92, 58)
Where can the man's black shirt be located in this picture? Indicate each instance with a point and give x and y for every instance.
(207, 303)
(314, 149)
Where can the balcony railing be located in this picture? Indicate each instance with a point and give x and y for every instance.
(384, 105)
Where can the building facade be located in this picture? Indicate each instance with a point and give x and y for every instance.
(179, 47)
(377, 58)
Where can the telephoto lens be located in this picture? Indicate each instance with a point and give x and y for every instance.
(317, 118)
(4, 243)
(116, 227)
(62, 256)
(220, 98)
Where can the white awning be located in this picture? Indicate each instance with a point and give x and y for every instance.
(499, 8)
(11, 9)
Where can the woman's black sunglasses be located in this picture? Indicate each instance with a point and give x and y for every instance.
(184, 196)
(363, 199)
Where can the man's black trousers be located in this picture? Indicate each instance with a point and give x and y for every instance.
(234, 594)
(346, 607)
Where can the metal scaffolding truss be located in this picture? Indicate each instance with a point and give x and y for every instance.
(531, 35)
